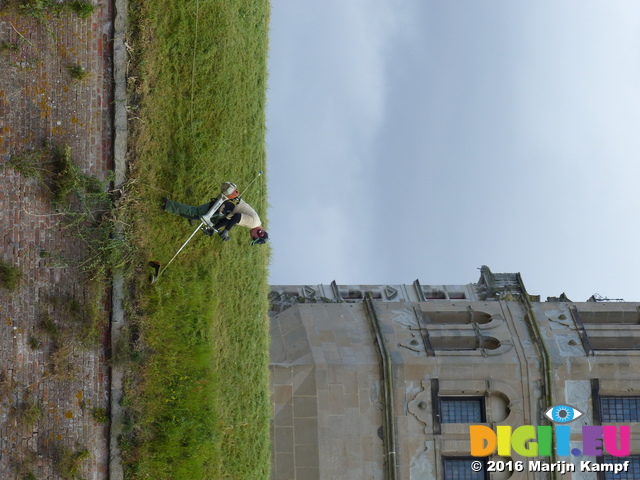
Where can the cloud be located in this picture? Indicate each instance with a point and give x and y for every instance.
(331, 55)
(327, 98)
(425, 139)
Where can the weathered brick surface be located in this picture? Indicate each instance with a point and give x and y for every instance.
(39, 101)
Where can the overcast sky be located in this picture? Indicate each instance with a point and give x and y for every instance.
(417, 139)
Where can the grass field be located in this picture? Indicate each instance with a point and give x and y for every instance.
(198, 393)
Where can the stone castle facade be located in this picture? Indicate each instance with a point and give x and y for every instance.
(383, 382)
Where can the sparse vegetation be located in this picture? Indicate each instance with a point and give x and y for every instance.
(24, 468)
(32, 163)
(77, 72)
(85, 205)
(67, 177)
(59, 201)
(34, 342)
(80, 329)
(49, 326)
(81, 8)
(100, 415)
(7, 47)
(82, 320)
(69, 462)
(61, 361)
(29, 413)
(55, 168)
(10, 276)
(41, 9)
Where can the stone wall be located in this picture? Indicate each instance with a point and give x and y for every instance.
(488, 343)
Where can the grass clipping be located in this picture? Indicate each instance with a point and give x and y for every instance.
(10, 276)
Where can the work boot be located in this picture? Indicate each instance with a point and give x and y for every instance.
(224, 235)
(163, 203)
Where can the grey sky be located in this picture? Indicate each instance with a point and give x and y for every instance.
(423, 139)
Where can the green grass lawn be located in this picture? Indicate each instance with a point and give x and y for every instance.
(198, 396)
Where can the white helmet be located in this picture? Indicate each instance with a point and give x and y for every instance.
(228, 188)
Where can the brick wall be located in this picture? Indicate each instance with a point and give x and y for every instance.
(40, 102)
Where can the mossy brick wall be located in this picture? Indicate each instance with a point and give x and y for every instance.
(39, 101)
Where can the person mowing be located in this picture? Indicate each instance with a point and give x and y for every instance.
(233, 211)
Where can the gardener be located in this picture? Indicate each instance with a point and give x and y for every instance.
(233, 211)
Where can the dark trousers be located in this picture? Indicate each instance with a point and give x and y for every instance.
(228, 223)
(187, 211)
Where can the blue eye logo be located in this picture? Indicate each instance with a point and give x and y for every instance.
(563, 414)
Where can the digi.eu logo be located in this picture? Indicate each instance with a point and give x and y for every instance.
(534, 441)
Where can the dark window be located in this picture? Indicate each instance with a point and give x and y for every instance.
(430, 294)
(618, 317)
(462, 409)
(620, 409)
(620, 342)
(457, 295)
(374, 294)
(632, 472)
(460, 468)
(351, 294)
